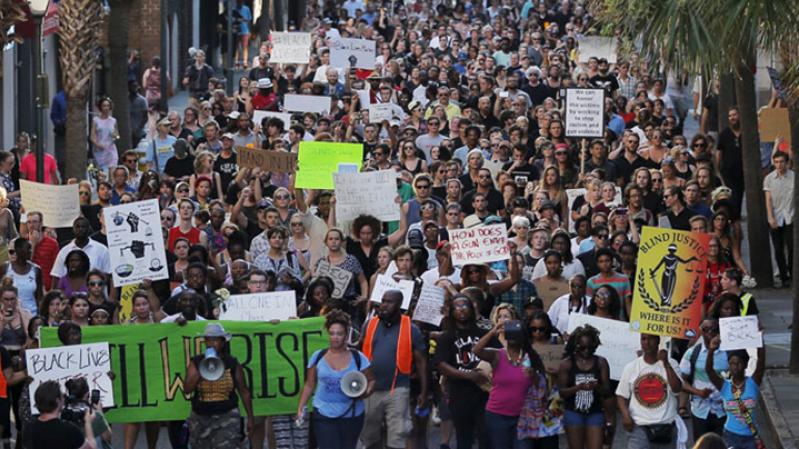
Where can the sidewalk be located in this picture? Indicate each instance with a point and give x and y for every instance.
(780, 400)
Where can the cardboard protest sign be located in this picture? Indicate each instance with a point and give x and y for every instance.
(740, 332)
(385, 283)
(268, 160)
(317, 161)
(91, 361)
(306, 103)
(670, 282)
(776, 82)
(135, 242)
(428, 307)
(261, 307)
(619, 346)
(551, 355)
(341, 277)
(774, 122)
(353, 53)
(150, 362)
(259, 116)
(598, 47)
(380, 111)
(585, 113)
(59, 205)
(370, 193)
(290, 48)
(479, 244)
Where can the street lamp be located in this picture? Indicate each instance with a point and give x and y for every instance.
(38, 10)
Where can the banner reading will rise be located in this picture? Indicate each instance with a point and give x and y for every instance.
(150, 362)
(669, 283)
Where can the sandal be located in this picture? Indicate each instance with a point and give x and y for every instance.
(246, 66)
(684, 413)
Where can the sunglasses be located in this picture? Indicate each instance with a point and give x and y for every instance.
(427, 207)
(96, 283)
(130, 161)
(167, 218)
(183, 190)
(602, 236)
(710, 329)
(282, 197)
(534, 329)
(560, 153)
(84, 193)
(296, 224)
(423, 186)
(484, 177)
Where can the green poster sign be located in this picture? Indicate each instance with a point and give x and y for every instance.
(319, 160)
(150, 362)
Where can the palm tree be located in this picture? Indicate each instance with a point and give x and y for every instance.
(119, 31)
(79, 22)
(10, 14)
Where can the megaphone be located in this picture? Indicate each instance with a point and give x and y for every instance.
(211, 367)
(353, 384)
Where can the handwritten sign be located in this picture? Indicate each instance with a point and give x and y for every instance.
(59, 205)
(619, 346)
(319, 160)
(259, 116)
(91, 361)
(341, 277)
(380, 111)
(739, 332)
(291, 48)
(269, 160)
(585, 113)
(260, 306)
(776, 82)
(385, 283)
(428, 308)
(135, 243)
(599, 47)
(551, 355)
(353, 53)
(774, 122)
(371, 193)
(306, 103)
(479, 244)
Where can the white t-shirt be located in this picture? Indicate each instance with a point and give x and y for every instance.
(559, 311)
(173, 318)
(430, 276)
(98, 258)
(647, 387)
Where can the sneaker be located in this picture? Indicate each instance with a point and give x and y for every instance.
(436, 416)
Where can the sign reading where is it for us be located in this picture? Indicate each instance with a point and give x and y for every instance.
(669, 283)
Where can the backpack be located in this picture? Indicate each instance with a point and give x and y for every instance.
(692, 361)
(357, 357)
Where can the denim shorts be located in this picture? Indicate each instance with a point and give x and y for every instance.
(575, 419)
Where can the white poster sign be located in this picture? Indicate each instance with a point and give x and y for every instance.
(384, 283)
(480, 244)
(291, 48)
(372, 193)
(619, 345)
(59, 205)
(740, 332)
(259, 116)
(599, 47)
(135, 243)
(380, 111)
(260, 306)
(306, 103)
(585, 113)
(341, 277)
(428, 308)
(90, 361)
(353, 53)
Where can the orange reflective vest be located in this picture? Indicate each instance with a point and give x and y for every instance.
(404, 346)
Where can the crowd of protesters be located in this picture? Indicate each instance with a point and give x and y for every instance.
(477, 138)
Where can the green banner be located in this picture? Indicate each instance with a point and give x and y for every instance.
(150, 362)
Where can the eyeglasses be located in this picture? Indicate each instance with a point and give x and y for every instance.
(710, 329)
(461, 307)
(534, 329)
(12, 251)
(699, 145)
(96, 283)
(183, 190)
(282, 197)
(423, 186)
(560, 153)
(256, 282)
(427, 207)
(84, 193)
(130, 161)
(125, 201)
(654, 180)
(433, 123)
(167, 218)
(602, 236)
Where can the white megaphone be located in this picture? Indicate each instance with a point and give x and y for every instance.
(353, 384)
(211, 367)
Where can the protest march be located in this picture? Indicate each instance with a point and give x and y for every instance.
(412, 224)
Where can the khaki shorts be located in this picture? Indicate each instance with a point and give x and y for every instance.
(395, 410)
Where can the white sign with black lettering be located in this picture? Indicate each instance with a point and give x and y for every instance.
(353, 54)
(292, 48)
(598, 47)
(384, 283)
(59, 205)
(259, 116)
(341, 277)
(259, 306)
(372, 193)
(135, 242)
(739, 332)
(428, 308)
(380, 111)
(585, 113)
(306, 103)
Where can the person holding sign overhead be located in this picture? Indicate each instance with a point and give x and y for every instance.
(338, 417)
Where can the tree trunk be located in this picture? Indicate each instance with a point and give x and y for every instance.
(793, 111)
(119, 30)
(726, 96)
(758, 227)
(77, 130)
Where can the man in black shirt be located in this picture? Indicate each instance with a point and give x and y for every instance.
(48, 431)
(679, 216)
(629, 161)
(605, 80)
(729, 157)
(520, 169)
(263, 70)
(485, 186)
(180, 166)
(226, 162)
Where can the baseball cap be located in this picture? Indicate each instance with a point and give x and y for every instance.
(471, 221)
(230, 136)
(264, 203)
(234, 115)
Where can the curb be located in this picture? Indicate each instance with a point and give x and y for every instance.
(783, 436)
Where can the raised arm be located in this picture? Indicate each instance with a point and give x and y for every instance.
(714, 378)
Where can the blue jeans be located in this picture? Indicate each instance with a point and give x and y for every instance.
(502, 432)
(739, 441)
(340, 433)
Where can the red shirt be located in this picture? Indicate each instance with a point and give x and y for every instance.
(28, 166)
(260, 102)
(174, 233)
(44, 255)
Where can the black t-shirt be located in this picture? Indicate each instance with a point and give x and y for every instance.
(732, 168)
(712, 105)
(607, 82)
(526, 172)
(626, 168)
(495, 202)
(682, 221)
(454, 347)
(227, 169)
(53, 433)
(178, 168)
(368, 263)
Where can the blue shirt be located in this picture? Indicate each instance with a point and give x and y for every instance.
(702, 209)
(735, 421)
(328, 399)
(245, 13)
(116, 196)
(702, 407)
(162, 149)
(58, 110)
(617, 125)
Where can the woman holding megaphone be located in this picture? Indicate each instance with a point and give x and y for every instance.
(346, 379)
(216, 376)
